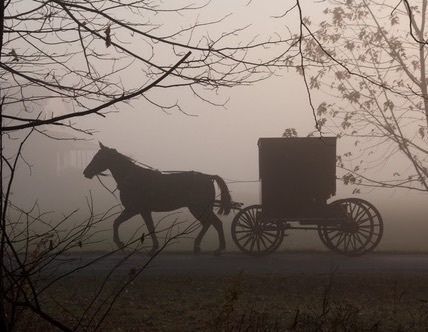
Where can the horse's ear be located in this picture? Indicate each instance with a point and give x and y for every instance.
(101, 145)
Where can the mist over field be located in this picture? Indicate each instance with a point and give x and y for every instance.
(211, 139)
(57, 183)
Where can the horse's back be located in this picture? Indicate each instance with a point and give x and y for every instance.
(169, 191)
(189, 186)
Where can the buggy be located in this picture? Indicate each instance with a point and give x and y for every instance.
(298, 176)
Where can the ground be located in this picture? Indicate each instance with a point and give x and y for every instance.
(284, 291)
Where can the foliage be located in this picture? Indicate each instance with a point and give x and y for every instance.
(367, 59)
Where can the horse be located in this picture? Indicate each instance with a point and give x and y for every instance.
(144, 190)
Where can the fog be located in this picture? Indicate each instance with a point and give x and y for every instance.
(218, 165)
(216, 141)
(209, 139)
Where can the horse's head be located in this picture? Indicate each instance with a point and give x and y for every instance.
(99, 163)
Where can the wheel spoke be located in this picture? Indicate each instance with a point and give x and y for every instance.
(337, 234)
(249, 239)
(268, 239)
(252, 243)
(364, 234)
(262, 241)
(248, 219)
(366, 226)
(341, 239)
(244, 236)
(354, 242)
(357, 236)
(351, 208)
(364, 230)
(359, 212)
(364, 220)
(242, 231)
(244, 226)
(254, 235)
(346, 242)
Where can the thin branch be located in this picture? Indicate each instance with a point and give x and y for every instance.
(36, 123)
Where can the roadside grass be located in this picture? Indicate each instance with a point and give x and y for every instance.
(298, 302)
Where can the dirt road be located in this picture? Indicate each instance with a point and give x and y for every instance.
(180, 264)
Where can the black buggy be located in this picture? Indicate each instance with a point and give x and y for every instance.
(298, 175)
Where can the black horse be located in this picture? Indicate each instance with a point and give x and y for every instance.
(143, 191)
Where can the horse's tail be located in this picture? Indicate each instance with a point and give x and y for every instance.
(225, 198)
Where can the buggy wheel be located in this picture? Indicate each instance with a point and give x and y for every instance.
(253, 235)
(377, 230)
(360, 231)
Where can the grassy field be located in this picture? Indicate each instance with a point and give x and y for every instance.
(334, 302)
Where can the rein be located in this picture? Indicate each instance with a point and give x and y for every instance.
(105, 187)
(144, 165)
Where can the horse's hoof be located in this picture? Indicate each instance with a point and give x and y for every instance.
(218, 252)
(120, 245)
(196, 251)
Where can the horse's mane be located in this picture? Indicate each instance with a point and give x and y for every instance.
(122, 156)
(133, 161)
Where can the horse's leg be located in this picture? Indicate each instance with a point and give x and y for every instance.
(199, 214)
(218, 225)
(124, 216)
(197, 244)
(147, 216)
(207, 218)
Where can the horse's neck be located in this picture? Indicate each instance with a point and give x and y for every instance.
(121, 170)
(124, 171)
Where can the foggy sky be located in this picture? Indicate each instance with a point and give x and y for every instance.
(223, 141)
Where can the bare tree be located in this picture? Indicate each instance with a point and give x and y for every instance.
(85, 55)
(80, 51)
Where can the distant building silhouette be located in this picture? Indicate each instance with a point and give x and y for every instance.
(75, 156)
(55, 178)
